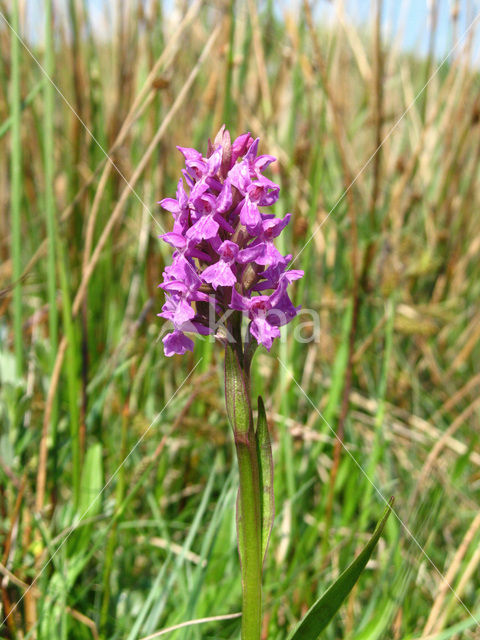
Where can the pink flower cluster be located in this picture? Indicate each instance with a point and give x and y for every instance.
(225, 259)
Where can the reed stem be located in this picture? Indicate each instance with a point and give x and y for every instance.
(16, 192)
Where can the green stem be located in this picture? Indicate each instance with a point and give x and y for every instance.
(229, 105)
(48, 151)
(16, 193)
(112, 540)
(249, 535)
(72, 369)
(249, 514)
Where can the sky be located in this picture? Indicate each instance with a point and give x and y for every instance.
(404, 21)
(411, 20)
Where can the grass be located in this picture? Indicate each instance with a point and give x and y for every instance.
(87, 398)
(16, 194)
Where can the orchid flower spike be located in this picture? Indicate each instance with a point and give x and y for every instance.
(225, 258)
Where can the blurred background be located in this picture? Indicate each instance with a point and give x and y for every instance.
(117, 472)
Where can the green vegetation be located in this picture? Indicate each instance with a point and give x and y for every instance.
(117, 468)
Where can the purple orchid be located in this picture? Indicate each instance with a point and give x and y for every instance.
(177, 342)
(224, 245)
(222, 272)
(179, 207)
(257, 309)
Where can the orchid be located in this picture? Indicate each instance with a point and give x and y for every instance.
(224, 243)
(226, 267)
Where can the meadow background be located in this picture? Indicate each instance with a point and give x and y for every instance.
(117, 470)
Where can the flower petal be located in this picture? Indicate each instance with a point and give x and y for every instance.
(264, 332)
(176, 342)
(219, 275)
(203, 229)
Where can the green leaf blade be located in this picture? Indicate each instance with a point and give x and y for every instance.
(237, 398)
(265, 462)
(322, 612)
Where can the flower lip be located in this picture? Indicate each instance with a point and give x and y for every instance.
(177, 343)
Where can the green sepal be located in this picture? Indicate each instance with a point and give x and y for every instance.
(265, 463)
(321, 613)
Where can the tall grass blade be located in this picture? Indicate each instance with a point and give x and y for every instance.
(48, 154)
(320, 614)
(265, 463)
(16, 188)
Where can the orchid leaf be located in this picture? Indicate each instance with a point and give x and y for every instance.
(265, 463)
(322, 612)
(236, 394)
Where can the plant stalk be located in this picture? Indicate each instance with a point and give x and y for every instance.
(249, 501)
(16, 191)
(249, 536)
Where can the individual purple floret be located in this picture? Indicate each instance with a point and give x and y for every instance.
(224, 256)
